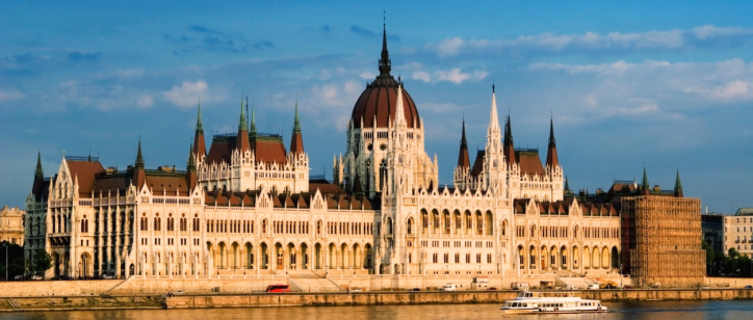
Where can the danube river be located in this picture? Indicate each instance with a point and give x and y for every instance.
(646, 310)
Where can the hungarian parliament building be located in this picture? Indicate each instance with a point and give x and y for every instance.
(249, 205)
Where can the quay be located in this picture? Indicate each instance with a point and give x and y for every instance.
(256, 300)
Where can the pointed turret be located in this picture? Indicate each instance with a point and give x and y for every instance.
(493, 133)
(296, 140)
(384, 62)
(399, 108)
(39, 173)
(463, 159)
(243, 143)
(509, 144)
(678, 186)
(645, 188)
(253, 123)
(551, 154)
(199, 148)
(567, 185)
(139, 157)
(191, 169)
(38, 185)
(139, 175)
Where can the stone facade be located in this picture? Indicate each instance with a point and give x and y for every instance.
(738, 232)
(12, 225)
(248, 208)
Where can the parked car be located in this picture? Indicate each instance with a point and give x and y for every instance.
(593, 286)
(450, 287)
(748, 287)
(277, 288)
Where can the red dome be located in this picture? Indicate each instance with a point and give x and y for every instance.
(379, 99)
(378, 102)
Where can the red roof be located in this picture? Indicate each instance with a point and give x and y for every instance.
(529, 162)
(85, 172)
(266, 148)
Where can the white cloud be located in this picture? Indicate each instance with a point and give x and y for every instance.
(145, 101)
(659, 39)
(661, 89)
(454, 75)
(10, 94)
(367, 75)
(421, 75)
(450, 47)
(188, 93)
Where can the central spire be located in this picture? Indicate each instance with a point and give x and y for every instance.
(384, 62)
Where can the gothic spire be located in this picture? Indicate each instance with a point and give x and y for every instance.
(38, 173)
(400, 108)
(139, 157)
(644, 184)
(199, 126)
(191, 163)
(242, 124)
(296, 122)
(199, 145)
(253, 123)
(296, 139)
(242, 142)
(384, 62)
(463, 159)
(493, 118)
(551, 154)
(678, 186)
(509, 145)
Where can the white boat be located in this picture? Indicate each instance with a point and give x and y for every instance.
(526, 303)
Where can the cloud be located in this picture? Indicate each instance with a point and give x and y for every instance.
(78, 56)
(203, 38)
(145, 101)
(362, 32)
(10, 95)
(662, 89)
(454, 75)
(450, 47)
(592, 41)
(187, 94)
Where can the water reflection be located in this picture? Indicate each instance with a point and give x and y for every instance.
(644, 311)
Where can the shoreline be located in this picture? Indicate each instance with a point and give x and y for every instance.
(265, 300)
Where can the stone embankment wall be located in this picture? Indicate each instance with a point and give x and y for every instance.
(104, 302)
(377, 298)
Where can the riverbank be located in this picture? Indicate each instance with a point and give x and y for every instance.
(257, 300)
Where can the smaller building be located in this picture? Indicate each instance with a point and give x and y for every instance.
(712, 225)
(12, 225)
(738, 232)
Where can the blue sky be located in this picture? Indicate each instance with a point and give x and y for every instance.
(668, 86)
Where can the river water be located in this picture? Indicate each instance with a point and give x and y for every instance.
(732, 310)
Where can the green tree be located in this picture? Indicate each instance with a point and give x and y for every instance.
(41, 261)
(15, 260)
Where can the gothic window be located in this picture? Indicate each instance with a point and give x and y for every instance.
(196, 224)
(183, 223)
(170, 223)
(157, 223)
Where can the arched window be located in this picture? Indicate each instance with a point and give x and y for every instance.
(196, 224)
(157, 223)
(170, 223)
(183, 223)
(410, 226)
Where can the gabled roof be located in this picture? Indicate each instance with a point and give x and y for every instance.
(529, 162)
(266, 148)
(85, 171)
